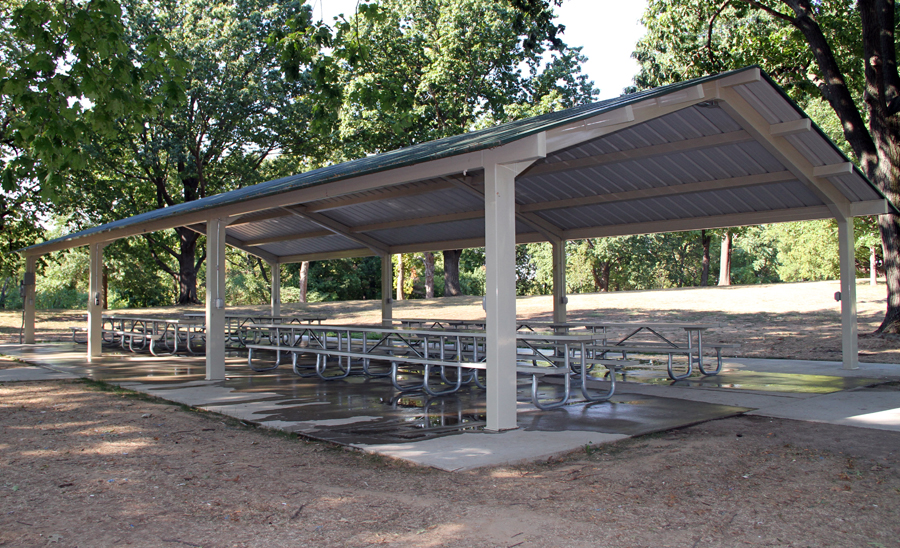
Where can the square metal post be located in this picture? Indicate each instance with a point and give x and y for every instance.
(387, 285)
(95, 302)
(560, 300)
(28, 300)
(849, 327)
(500, 295)
(215, 299)
(276, 289)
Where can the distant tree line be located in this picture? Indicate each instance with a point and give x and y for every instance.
(789, 252)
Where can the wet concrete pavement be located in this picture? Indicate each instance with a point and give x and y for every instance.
(447, 432)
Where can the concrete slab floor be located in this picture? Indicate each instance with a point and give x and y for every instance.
(447, 432)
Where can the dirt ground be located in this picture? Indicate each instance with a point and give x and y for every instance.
(797, 320)
(88, 467)
(84, 465)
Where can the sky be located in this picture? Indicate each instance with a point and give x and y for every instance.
(606, 29)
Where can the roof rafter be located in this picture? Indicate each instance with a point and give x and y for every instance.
(550, 231)
(200, 228)
(782, 149)
(339, 228)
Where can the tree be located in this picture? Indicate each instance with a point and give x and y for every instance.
(403, 72)
(238, 109)
(66, 73)
(705, 242)
(842, 52)
(725, 259)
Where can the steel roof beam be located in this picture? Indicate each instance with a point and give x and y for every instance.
(327, 256)
(288, 237)
(550, 231)
(793, 127)
(431, 220)
(409, 189)
(752, 121)
(403, 191)
(200, 228)
(339, 228)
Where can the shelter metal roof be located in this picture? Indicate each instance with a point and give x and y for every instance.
(725, 150)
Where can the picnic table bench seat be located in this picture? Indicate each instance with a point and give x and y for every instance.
(76, 330)
(670, 351)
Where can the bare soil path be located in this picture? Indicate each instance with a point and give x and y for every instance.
(84, 467)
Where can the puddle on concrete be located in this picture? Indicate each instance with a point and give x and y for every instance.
(745, 380)
(366, 410)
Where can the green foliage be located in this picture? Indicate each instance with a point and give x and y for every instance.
(338, 279)
(217, 115)
(66, 74)
(472, 274)
(402, 72)
(807, 251)
(248, 280)
(63, 283)
(690, 38)
(131, 284)
(755, 256)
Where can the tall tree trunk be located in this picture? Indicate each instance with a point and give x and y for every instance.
(725, 260)
(104, 289)
(600, 271)
(3, 293)
(705, 241)
(451, 272)
(187, 267)
(304, 280)
(399, 277)
(429, 275)
(873, 273)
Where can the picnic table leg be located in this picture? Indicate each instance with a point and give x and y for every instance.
(428, 390)
(671, 371)
(396, 382)
(322, 363)
(611, 373)
(545, 406)
(258, 369)
(718, 364)
(295, 357)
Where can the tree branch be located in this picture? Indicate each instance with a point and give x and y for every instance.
(200, 260)
(884, 11)
(770, 11)
(709, 31)
(834, 87)
(162, 265)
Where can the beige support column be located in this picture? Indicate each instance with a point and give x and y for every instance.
(387, 285)
(95, 302)
(28, 298)
(215, 299)
(500, 295)
(276, 289)
(849, 328)
(560, 300)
